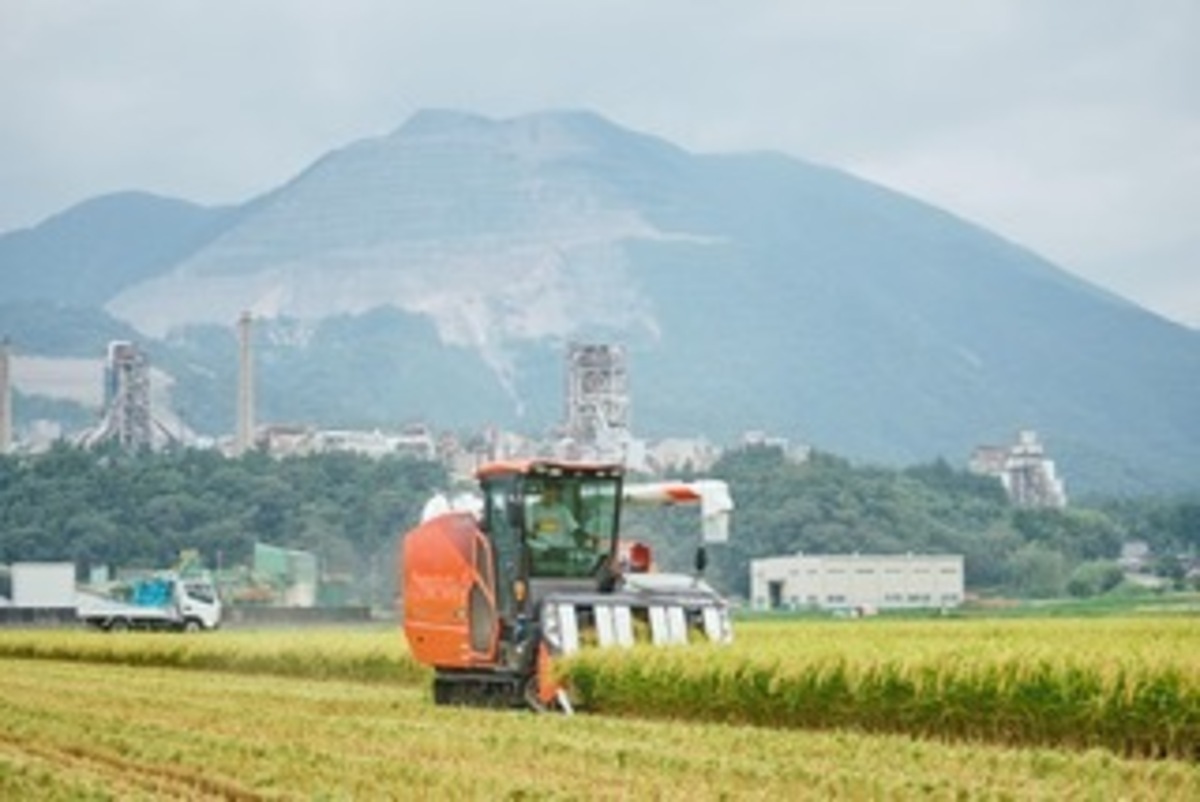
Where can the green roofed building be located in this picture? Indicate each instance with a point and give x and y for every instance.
(295, 573)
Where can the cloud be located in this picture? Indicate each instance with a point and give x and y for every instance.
(1071, 126)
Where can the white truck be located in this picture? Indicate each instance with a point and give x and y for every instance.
(166, 601)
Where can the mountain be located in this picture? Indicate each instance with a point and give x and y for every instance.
(437, 272)
(81, 256)
(497, 232)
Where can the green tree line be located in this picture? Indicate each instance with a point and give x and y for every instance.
(104, 507)
(826, 504)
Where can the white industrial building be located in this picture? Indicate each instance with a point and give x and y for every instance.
(43, 584)
(1029, 477)
(856, 581)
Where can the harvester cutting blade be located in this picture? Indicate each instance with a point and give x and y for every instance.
(573, 621)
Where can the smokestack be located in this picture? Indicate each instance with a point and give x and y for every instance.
(5, 400)
(245, 402)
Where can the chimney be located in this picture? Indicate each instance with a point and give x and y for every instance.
(5, 399)
(245, 401)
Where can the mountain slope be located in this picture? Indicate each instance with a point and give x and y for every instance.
(88, 253)
(754, 291)
(894, 330)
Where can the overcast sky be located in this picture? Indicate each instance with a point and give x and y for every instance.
(1072, 127)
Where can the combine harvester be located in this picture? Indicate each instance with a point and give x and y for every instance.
(493, 594)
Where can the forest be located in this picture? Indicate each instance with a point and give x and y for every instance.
(103, 507)
(827, 504)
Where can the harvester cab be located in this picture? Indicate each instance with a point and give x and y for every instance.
(495, 593)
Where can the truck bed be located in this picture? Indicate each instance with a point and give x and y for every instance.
(90, 607)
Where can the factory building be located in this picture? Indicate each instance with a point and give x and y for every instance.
(1029, 477)
(856, 582)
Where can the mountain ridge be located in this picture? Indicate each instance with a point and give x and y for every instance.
(110, 241)
(753, 290)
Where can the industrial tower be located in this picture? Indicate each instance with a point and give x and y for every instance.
(1032, 480)
(127, 416)
(245, 399)
(1029, 477)
(597, 395)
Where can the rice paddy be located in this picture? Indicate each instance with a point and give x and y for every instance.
(327, 714)
(1129, 685)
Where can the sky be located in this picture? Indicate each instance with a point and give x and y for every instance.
(1071, 127)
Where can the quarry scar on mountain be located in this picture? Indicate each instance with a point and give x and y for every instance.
(436, 273)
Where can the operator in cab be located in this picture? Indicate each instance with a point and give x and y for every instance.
(552, 524)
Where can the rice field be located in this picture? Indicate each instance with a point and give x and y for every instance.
(363, 654)
(80, 731)
(1128, 685)
(326, 714)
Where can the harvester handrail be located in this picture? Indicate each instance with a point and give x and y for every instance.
(712, 495)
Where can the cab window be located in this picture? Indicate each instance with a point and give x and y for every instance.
(569, 524)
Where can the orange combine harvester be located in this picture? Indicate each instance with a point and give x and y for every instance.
(493, 594)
